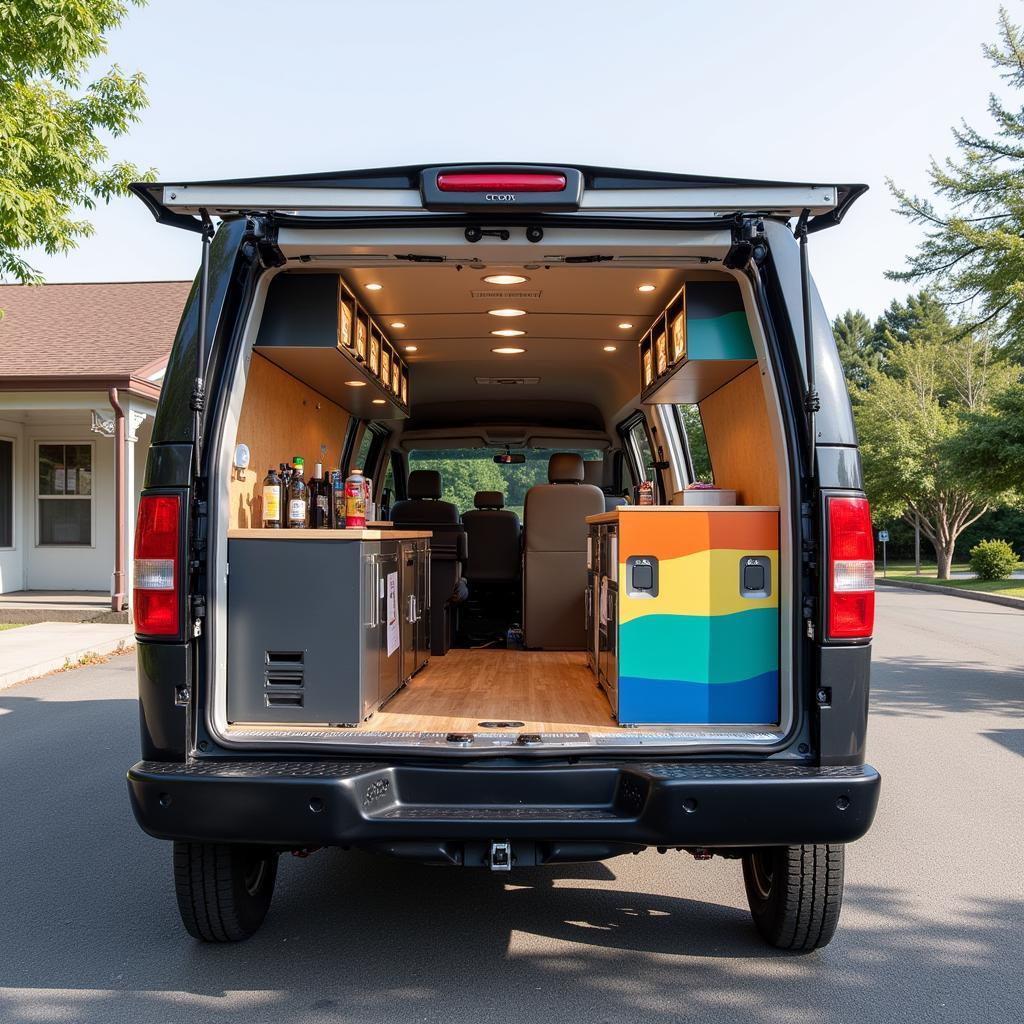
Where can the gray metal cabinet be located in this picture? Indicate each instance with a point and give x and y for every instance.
(422, 630)
(415, 588)
(316, 627)
(388, 566)
(604, 542)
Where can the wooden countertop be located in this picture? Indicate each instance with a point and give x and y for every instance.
(613, 516)
(238, 533)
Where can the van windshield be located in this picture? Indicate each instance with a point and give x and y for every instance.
(464, 471)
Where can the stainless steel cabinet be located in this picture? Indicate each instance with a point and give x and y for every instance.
(323, 630)
(415, 590)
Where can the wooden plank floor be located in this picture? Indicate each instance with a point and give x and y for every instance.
(548, 691)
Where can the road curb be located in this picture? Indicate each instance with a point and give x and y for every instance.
(970, 595)
(66, 659)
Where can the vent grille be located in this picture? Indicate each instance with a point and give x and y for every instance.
(508, 380)
(505, 294)
(284, 678)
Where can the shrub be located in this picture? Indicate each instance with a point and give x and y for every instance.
(993, 559)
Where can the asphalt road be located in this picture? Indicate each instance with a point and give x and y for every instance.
(932, 929)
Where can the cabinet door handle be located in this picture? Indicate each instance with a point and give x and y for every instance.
(374, 594)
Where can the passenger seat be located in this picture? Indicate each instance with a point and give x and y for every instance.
(593, 473)
(424, 510)
(555, 555)
(493, 533)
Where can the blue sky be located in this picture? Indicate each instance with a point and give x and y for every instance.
(790, 89)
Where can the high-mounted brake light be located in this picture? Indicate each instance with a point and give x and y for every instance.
(157, 568)
(851, 569)
(504, 182)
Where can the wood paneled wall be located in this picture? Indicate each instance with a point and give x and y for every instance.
(281, 417)
(740, 440)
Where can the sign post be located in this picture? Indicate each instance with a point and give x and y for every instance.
(883, 537)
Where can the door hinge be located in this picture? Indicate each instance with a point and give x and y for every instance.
(263, 233)
(748, 244)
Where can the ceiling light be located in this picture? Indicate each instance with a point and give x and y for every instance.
(505, 279)
(622, 327)
(508, 332)
(609, 348)
(411, 348)
(380, 401)
(398, 324)
(356, 383)
(507, 312)
(642, 288)
(374, 287)
(509, 351)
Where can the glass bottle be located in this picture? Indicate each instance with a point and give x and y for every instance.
(271, 500)
(319, 500)
(298, 497)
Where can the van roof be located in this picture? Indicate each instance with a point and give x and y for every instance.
(414, 189)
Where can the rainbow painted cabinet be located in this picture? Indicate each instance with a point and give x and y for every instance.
(683, 613)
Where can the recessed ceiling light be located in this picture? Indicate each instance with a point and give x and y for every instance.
(374, 287)
(398, 324)
(505, 279)
(380, 401)
(507, 312)
(642, 288)
(508, 332)
(356, 383)
(509, 351)
(411, 348)
(622, 327)
(609, 348)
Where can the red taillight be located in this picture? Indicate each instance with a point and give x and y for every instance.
(499, 182)
(851, 569)
(156, 569)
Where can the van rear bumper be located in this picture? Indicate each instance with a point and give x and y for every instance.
(294, 804)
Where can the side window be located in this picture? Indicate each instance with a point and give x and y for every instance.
(371, 447)
(638, 450)
(359, 462)
(697, 443)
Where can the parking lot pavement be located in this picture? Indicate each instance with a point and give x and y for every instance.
(932, 929)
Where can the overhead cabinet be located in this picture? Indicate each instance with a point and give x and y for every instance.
(698, 343)
(314, 328)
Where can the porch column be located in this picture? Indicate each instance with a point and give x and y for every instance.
(135, 417)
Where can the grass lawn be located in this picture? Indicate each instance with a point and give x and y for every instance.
(904, 571)
(10, 625)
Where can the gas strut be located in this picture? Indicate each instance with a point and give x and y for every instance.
(199, 384)
(812, 403)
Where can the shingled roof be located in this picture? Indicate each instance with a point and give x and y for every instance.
(53, 335)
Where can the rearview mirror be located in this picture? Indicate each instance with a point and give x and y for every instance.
(510, 459)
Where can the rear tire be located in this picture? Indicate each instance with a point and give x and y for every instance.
(795, 893)
(223, 891)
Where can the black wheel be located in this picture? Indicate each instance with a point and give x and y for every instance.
(223, 891)
(795, 893)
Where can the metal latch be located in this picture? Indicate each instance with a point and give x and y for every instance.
(501, 856)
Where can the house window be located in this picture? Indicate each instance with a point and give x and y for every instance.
(64, 492)
(6, 493)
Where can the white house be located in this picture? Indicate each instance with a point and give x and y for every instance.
(80, 373)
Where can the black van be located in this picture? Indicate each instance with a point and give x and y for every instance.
(603, 582)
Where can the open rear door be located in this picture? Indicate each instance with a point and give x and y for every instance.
(505, 192)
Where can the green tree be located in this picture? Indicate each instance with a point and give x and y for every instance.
(859, 351)
(912, 422)
(971, 251)
(53, 161)
(922, 313)
(992, 448)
